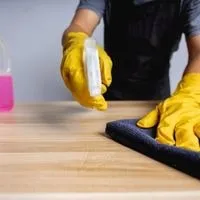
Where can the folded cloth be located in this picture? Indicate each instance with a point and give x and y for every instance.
(127, 133)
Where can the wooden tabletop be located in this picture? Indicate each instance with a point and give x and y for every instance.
(58, 150)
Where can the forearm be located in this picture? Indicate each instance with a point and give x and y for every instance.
(193, 44)
(193, 64)
(85, 21)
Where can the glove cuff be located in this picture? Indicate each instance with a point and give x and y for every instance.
(189, 83)
(74, 38)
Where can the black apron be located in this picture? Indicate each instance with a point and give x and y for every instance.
(140, 40)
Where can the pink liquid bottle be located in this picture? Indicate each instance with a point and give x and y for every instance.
(6, 81)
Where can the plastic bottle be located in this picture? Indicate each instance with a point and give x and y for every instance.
(6, 81)
(92, 67)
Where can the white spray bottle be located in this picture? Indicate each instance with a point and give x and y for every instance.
(92, 67)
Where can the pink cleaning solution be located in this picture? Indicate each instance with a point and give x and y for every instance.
(6, 92)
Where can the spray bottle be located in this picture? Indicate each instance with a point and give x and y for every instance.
(92, 67)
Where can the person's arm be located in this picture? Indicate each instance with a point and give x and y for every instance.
(86, 17)
(191, 28)
(85, 21)
(193, 45)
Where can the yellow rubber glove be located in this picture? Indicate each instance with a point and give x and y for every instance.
(72, 71)
(178, 117)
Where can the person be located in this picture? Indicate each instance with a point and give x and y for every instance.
(140, 37)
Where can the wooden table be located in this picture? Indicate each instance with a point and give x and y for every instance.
(59, 151)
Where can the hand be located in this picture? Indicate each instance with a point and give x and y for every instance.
(72, 71)
(178, 117)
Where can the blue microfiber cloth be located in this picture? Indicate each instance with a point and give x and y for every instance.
(127, 133)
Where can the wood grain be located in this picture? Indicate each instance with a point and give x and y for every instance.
(58, 150)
